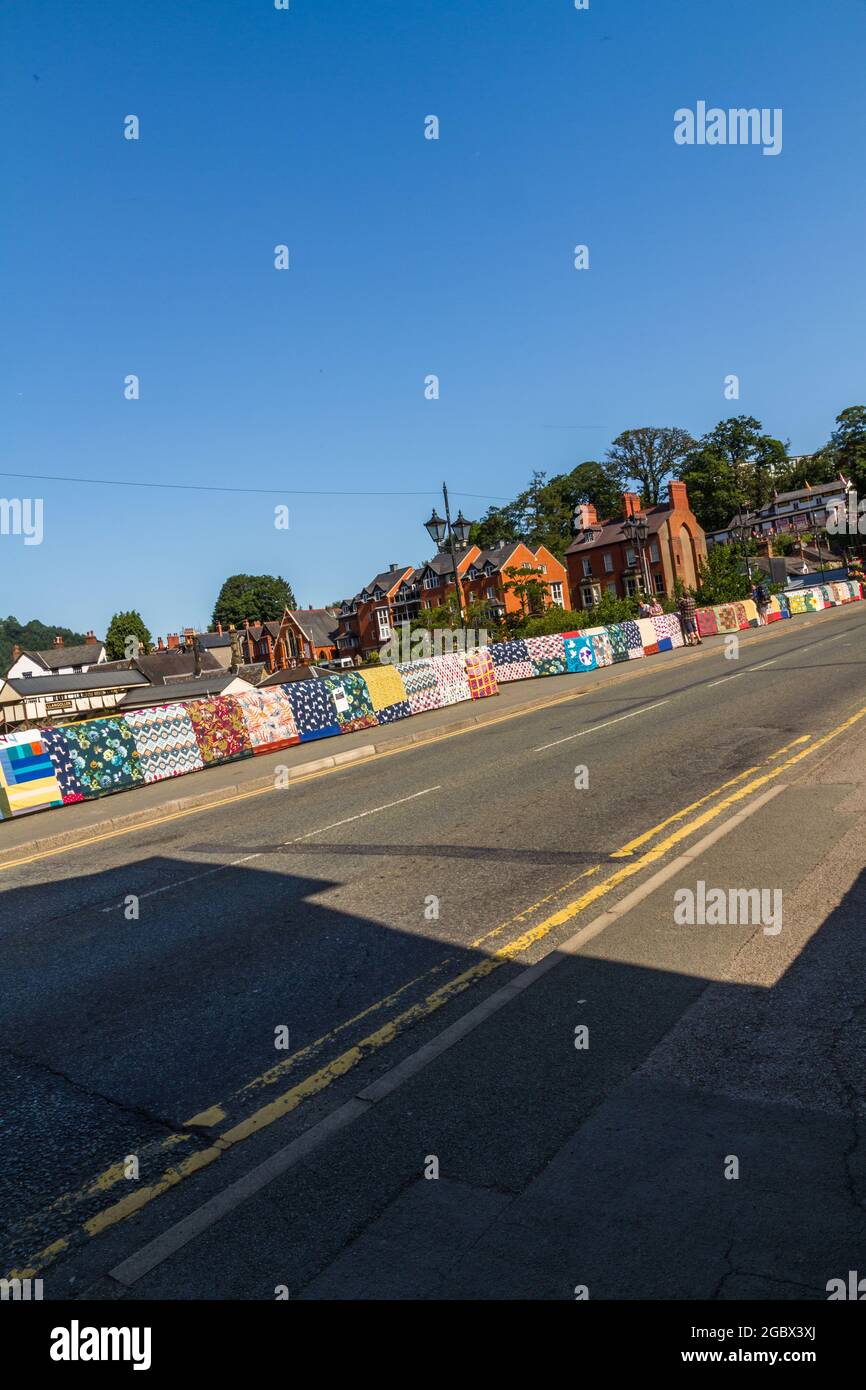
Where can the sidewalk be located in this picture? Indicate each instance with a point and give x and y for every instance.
(709, 1048)
(49, 829)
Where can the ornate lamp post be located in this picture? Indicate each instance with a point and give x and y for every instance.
(438, 529)
(636, 529)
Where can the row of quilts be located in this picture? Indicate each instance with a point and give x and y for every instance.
(733, 617)
(42, 768)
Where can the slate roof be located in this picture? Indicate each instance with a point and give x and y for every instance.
(84, 654)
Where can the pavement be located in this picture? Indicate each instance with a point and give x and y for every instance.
(434, 931)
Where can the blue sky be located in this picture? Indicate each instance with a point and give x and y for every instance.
(407, 257)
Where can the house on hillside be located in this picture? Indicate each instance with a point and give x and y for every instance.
(58, 660)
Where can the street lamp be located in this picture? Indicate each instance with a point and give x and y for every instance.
(742, 528)
(636, 529)
(455, 531)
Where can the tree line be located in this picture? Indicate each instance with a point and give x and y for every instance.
(736, 465)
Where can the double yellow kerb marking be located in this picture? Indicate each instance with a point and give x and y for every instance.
(319, 1080)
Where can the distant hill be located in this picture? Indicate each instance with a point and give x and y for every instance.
(31, 637)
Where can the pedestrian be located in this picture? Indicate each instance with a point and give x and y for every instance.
(687, 608)
(761, 595)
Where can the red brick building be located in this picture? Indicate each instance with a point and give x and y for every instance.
(606, 562)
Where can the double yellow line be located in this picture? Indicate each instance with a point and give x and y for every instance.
(688, 820)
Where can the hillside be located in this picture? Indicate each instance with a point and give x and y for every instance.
(32, 636)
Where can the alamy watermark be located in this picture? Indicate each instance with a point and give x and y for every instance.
(22, 516)
(738, 125)
(404, 645)
(846, 515)
(720, 907)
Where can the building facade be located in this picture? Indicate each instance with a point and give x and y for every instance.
(604, 561)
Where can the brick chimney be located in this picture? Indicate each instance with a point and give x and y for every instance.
(586, 516)
(173, 641)
(160, 645)
(678, 496)
(91, 636)
(220, 629)
(630, 504)
(58, 640)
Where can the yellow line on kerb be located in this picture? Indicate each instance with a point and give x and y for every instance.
(374, 1042)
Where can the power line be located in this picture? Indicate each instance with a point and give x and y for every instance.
(261, 491)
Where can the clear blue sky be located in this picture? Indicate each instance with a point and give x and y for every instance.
(408, 257)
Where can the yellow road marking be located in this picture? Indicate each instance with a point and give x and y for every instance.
(339, 1066)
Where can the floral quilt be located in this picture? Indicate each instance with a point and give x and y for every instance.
(220, 730)
(269, 719)
(103, 755)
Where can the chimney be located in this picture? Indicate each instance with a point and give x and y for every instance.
(678, 496)
(220, 629)
(196, 648)
(630, 504)
(58, 640)
(91, 636)
(392, 569)
(237, 655)
(586, 516)
(173, 641)
(160, 645)
(311, 607)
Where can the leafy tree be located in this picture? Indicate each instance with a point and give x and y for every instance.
(259, 597)
(543, 513)
(32, 637)
(127, 636)
(721, 578)
(649, 457)
(712, 487)
(846, 450)
(527, 586)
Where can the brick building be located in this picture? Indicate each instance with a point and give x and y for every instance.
(606, 562)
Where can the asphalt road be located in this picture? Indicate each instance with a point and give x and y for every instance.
(146, 978)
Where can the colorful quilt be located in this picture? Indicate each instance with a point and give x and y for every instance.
(269, 719)
(220, 730)
(797, 603)
(57, 747)
(352, 701)
(633, 639)
(726, 618)
(742, 615)
(547, 654)
(104, 756)
(417, 675)
(706, 620)
(313, 708)
(165, 742)
(452, 681)
(507, 653)
(618, 643)
(481, 674)
(27, 778)
(602, 648)
(401, 709)
(385, 685)
(580, 654)
(668, 625)
(514, 671)
(420, 701)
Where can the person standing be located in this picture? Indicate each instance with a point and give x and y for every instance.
(761, 595)
(686, 607)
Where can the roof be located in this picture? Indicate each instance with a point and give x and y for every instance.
(387, 579)
(319, 625)
(214, 639)
(81, 683)
(498, 555)
(213, 684)
(291, 673)
(85, 654)
(443, 564)
(611, 532)
(173, 664)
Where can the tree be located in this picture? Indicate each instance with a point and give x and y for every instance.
(543, 513)
(847, 446)
(259, 597)
(32, 637)
(127, 636)
(528, 586)
(721, 578)
(648, 457)
(712, 487)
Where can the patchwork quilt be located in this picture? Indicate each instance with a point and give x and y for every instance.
(726, 618)
(647, 634)
(547, 654)
(401, 709)
(633, 639)
(417, 675)
(420, 701)
(165, 742)
(313, 708)
(602, 648)
(385, 685)
(514, 671)
(104, 756)
(507, 653)
(27, 778)
(742, 615)
(269, 720)
(580, 654)
(668, 625)
(706, 620)
(57, 747)
(451, 678)
(352, 701)
(481, 674)
(220, 730)
(797, 603)
(618, 643)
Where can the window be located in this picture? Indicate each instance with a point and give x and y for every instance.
(430, 580)
(654, 552)
(543, 568)
(611, 587)
(630, 587)
(659, 581)
(587, 597)
(630, 557)
(491, 592)
(587, 567)
(556, 594)
(608, 562)
(384, 618)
